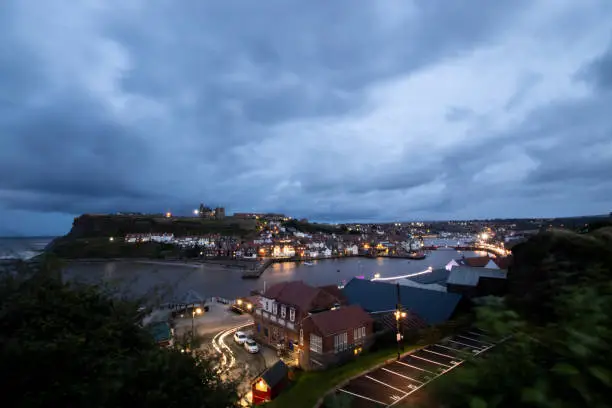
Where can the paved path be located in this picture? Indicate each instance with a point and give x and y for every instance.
(400, 380)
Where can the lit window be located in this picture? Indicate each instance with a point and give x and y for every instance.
(274, 309)
(316, 343)
(301, 337)
(283, 311)
(363, 331)
(292, 314)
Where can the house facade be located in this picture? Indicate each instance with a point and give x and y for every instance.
(332, 337)
(283, 307)
(311, 323)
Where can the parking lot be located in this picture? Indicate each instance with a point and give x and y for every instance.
(400, 380)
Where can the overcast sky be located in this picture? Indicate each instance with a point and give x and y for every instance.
(330, 110)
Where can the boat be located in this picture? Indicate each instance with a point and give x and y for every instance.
(308, 264)
(417, 255)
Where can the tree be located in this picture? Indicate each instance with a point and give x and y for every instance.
(72, 346)
(558, 328)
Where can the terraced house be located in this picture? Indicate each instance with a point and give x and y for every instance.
(313, 324)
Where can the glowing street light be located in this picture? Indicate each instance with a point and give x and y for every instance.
(168, 214)
(196, 212)
(194, 312)
(377, 275)
(111, 239)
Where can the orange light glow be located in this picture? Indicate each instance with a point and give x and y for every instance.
(261, 386)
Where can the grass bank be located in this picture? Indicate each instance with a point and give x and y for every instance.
(310, 386)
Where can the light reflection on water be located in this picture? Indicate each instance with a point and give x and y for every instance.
(213, 280)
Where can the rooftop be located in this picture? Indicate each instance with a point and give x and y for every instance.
(299, 294)
(432, 306)
(338, 320)
(469, 276)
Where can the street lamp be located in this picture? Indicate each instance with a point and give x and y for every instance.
(194, 312)
(398, 316)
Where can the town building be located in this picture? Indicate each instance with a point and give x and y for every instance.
(423, 307)
(266, 387)
(476, 282)
(311, 323)
(334, 336)
(219, 213)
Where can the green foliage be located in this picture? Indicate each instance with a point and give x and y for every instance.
(72, 346)
(338, 401)
(558, 328)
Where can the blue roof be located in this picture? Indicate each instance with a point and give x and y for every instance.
(432, 306)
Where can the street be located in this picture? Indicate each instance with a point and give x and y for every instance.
(215, 329)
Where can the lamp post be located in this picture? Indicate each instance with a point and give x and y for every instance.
(398, 316)
(194, 311)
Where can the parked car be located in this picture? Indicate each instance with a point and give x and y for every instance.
(240, 337)
(251, 346)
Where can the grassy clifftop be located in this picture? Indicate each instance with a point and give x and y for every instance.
(89, 236)
(90, 226)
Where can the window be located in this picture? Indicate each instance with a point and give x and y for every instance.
(292, 314)
(358, 334)
(316, 343)
(283, 311)
(301, 337)
(274, 309)
(340, 342)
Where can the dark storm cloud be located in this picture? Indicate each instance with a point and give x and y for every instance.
(599, 72)
(384, 111)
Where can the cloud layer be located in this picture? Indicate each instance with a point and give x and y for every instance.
(391, 110)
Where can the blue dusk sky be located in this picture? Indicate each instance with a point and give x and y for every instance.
(330, 110)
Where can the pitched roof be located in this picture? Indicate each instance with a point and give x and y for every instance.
(160, 331)
(297, 293)
(469, 276)
(275, 374)
(335, 291)
(476, 261)
(338, 320)
(432, 306)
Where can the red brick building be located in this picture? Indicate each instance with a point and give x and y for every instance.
(312, 322)
(334, 336)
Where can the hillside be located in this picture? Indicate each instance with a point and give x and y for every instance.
(89, 236)
(555, 259)
(89, 226)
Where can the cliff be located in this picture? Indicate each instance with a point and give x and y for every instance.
(89, 226)
(89, 236)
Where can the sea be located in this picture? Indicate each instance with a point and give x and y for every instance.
(22, 248)
(172, 281)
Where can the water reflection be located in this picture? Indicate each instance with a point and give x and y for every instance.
(213, 280)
